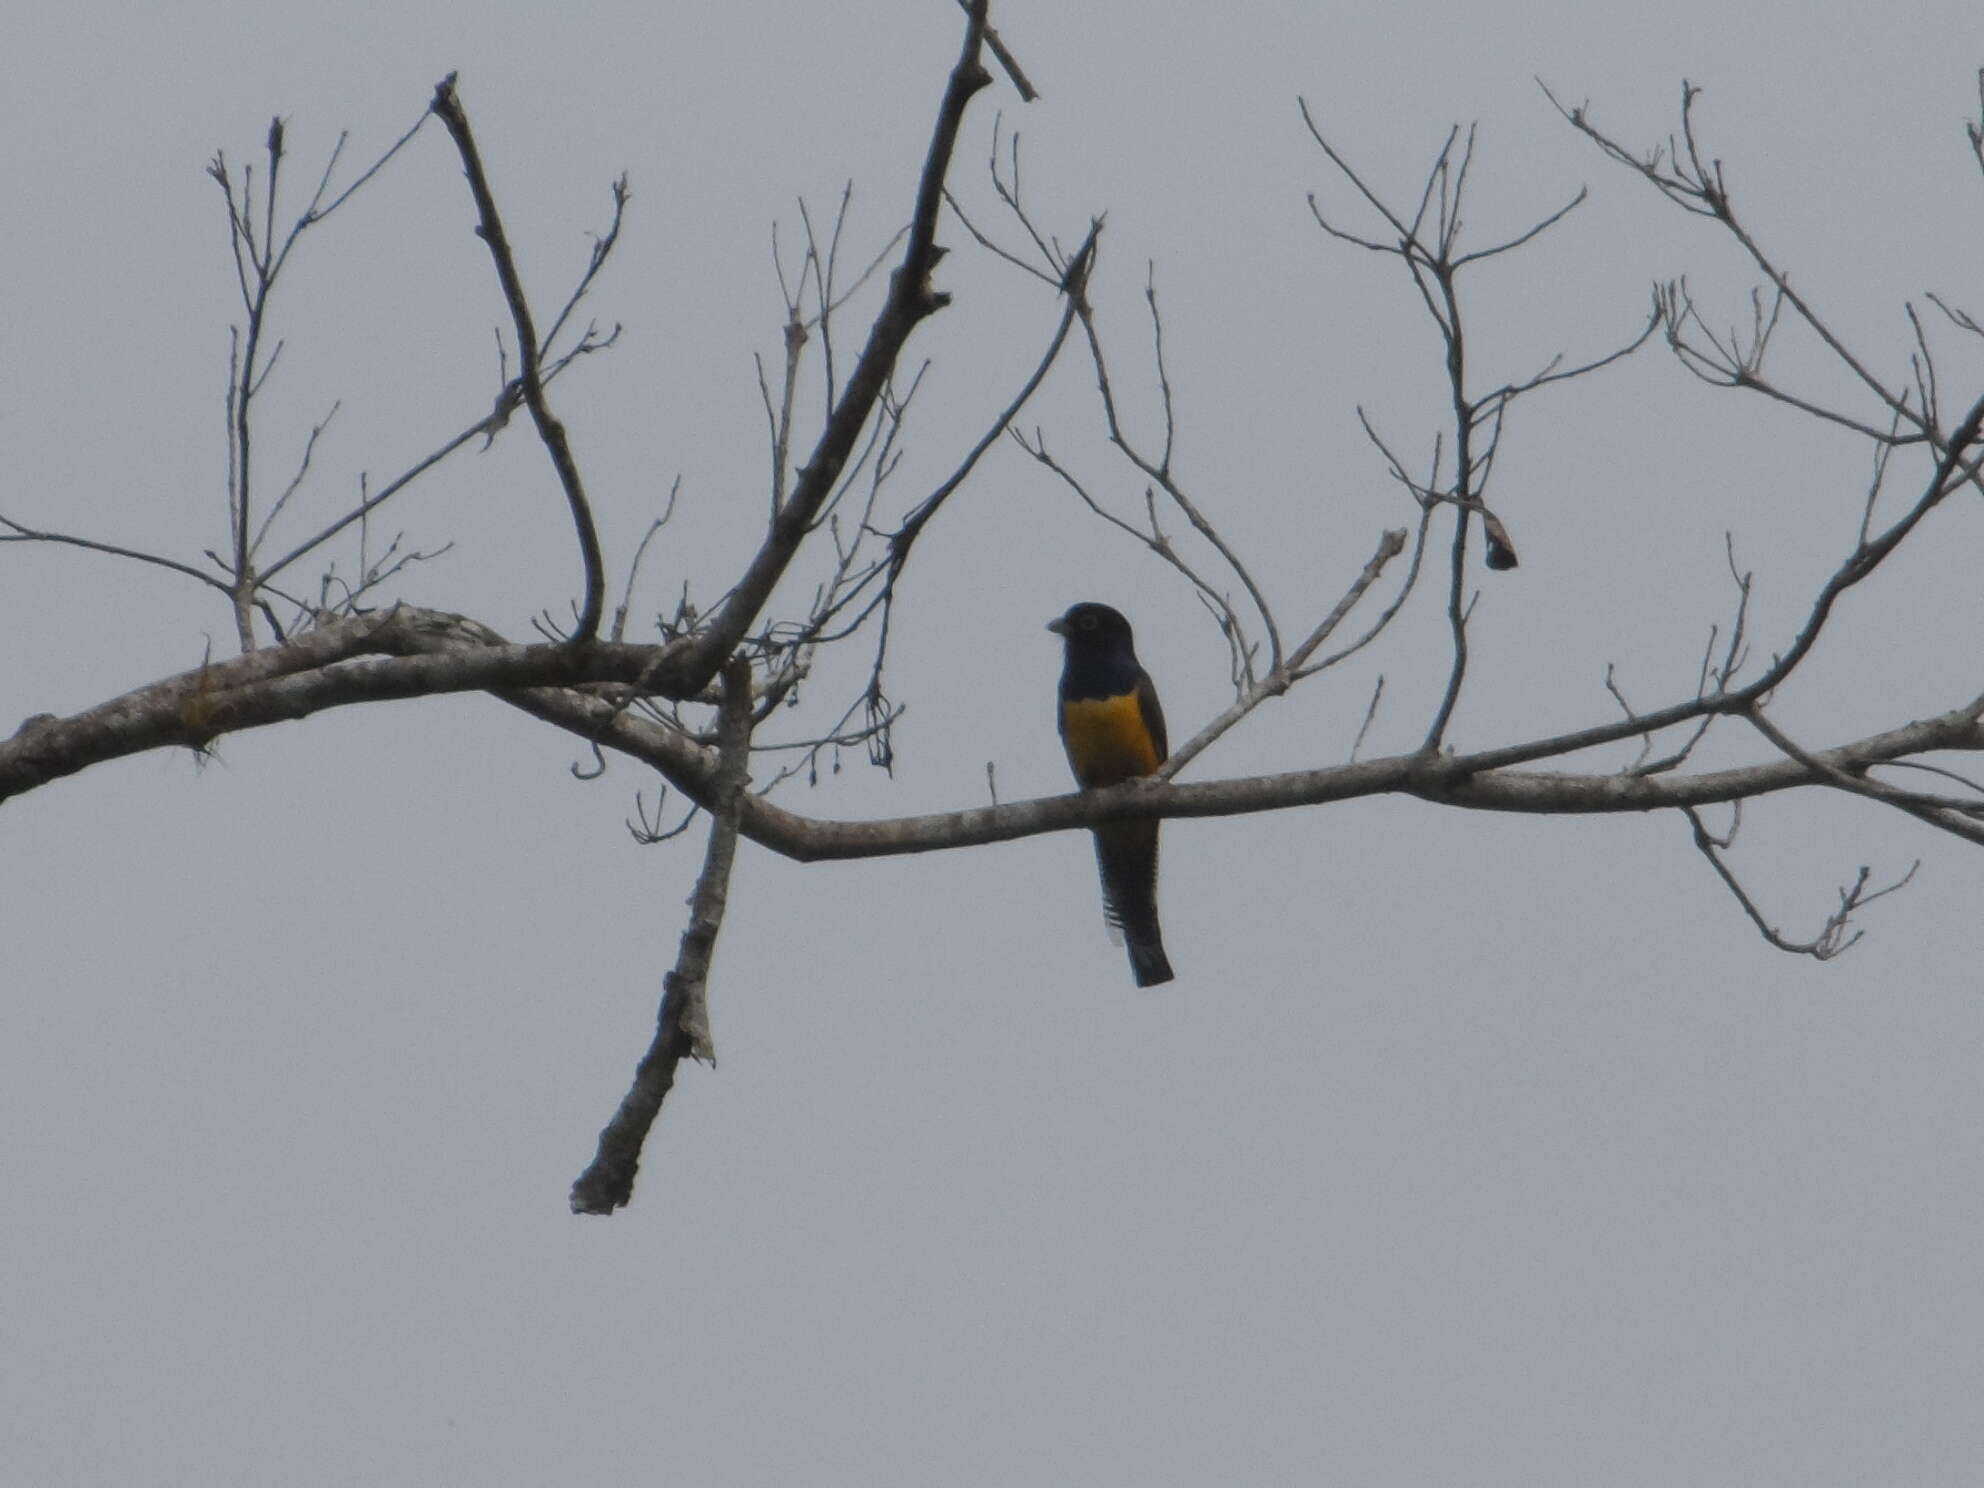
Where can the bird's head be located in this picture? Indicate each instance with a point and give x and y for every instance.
(1093, 627)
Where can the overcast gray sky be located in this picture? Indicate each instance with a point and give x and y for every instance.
(1464, 1148)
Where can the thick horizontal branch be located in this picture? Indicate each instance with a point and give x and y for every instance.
(330, 668)
(401, 653)
(1456, 780)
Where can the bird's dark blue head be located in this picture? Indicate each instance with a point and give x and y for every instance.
(1101, 655)
(1094, 628)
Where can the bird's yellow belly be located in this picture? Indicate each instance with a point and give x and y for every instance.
(1106, 740)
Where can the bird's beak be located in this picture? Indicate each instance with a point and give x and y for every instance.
(1059, 627)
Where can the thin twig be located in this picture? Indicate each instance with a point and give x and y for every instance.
(1025, 88)
(1287, 673)
(1832, 938)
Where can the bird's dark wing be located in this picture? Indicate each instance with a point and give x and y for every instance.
(1153, 714)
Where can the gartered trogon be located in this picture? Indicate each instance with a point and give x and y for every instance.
(1113, 730)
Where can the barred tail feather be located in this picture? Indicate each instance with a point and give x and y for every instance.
(1126, 854)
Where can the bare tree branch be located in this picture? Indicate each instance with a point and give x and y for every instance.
(530, 373)
(682, 1027)
(1832, 938)
(910, 299)
(1288, 672)
(1006, 60)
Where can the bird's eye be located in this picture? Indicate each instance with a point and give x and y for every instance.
(1087, 622)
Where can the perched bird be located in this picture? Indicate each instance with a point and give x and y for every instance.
(1113, 730)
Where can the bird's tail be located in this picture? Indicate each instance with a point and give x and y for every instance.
(1126, 852)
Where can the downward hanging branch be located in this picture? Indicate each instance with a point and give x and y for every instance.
(682, 1028)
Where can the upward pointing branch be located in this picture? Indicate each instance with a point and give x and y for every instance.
(910, 300)
(448, 108)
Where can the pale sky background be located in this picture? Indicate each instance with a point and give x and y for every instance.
(1465, 1149)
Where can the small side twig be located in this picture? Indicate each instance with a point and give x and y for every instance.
(1832, 938)
(1289, 671)
(1028, 93)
